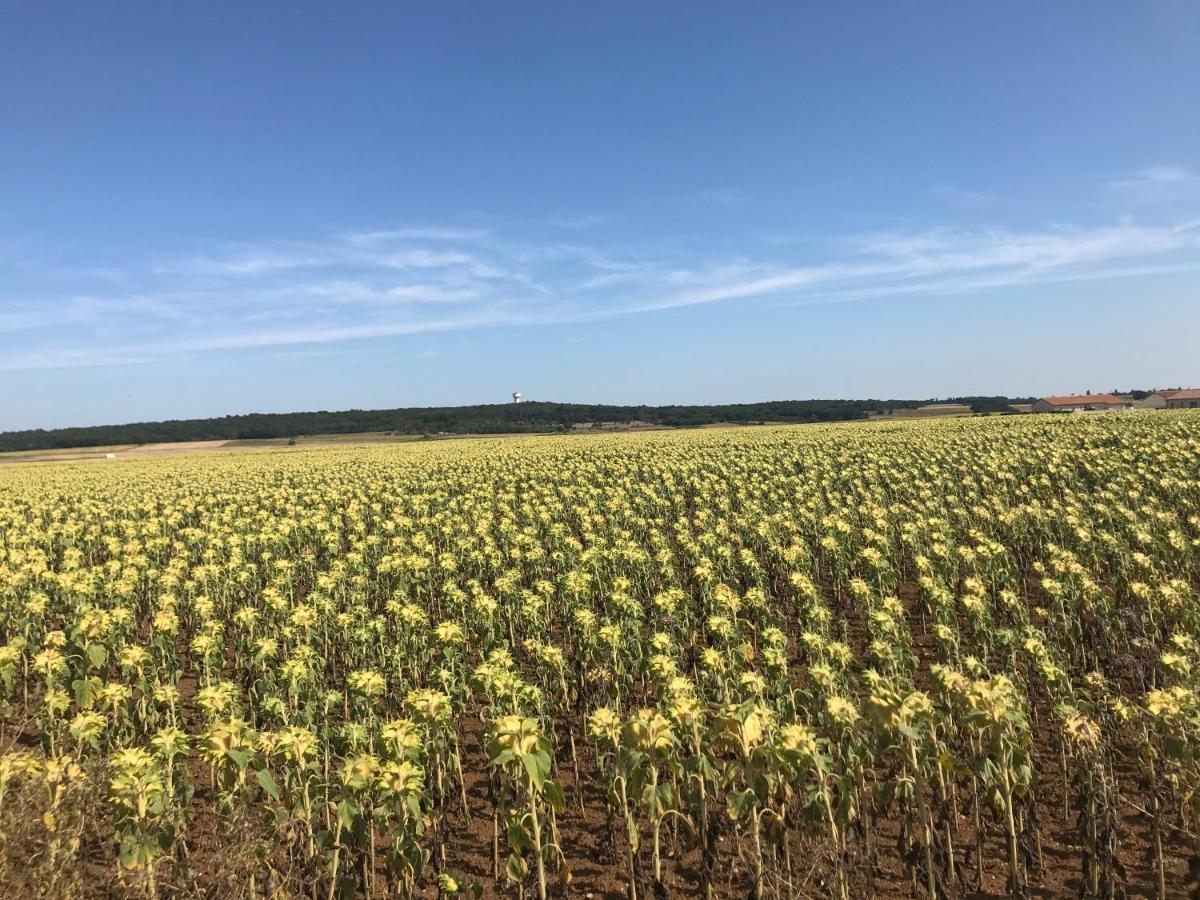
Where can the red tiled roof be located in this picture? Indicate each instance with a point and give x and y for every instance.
(1185, 394)
(1084, 400)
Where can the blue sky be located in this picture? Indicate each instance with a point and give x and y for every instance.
(229, 207)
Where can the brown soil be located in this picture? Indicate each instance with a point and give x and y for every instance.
(226, 859)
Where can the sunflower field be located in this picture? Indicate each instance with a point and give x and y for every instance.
(897, 659)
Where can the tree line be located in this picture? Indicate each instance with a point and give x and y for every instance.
(532, 416)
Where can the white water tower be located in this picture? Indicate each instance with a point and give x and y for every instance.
(516, 396)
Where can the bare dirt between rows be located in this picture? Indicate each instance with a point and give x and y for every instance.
(225, 859)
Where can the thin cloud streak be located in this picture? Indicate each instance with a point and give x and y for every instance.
(1152, 175)
(356, 285)
(1156, 187)
(579, 222)
(930, 255)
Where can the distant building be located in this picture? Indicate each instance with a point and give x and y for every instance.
(1155, 400)
(1188, 398)
(1179, 398)
(1080, 403)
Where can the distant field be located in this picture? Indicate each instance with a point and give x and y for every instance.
(534, 417)
(176, 447)
(65, 454)
(125, 451)
(369, 437)
(930, 410)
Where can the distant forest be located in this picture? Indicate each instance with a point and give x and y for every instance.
(532, 416)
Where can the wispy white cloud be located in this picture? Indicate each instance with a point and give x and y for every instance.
(412, 280)
(426, 233)
(406, 248)
(1153, 176)
(887, 263)
(579, 222)
(420, 258)
(1156, 187)
(960, 196)
(724, 196)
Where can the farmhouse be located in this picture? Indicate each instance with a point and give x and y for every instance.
(1080, 403)
(1185, 398)
(1188, 398)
